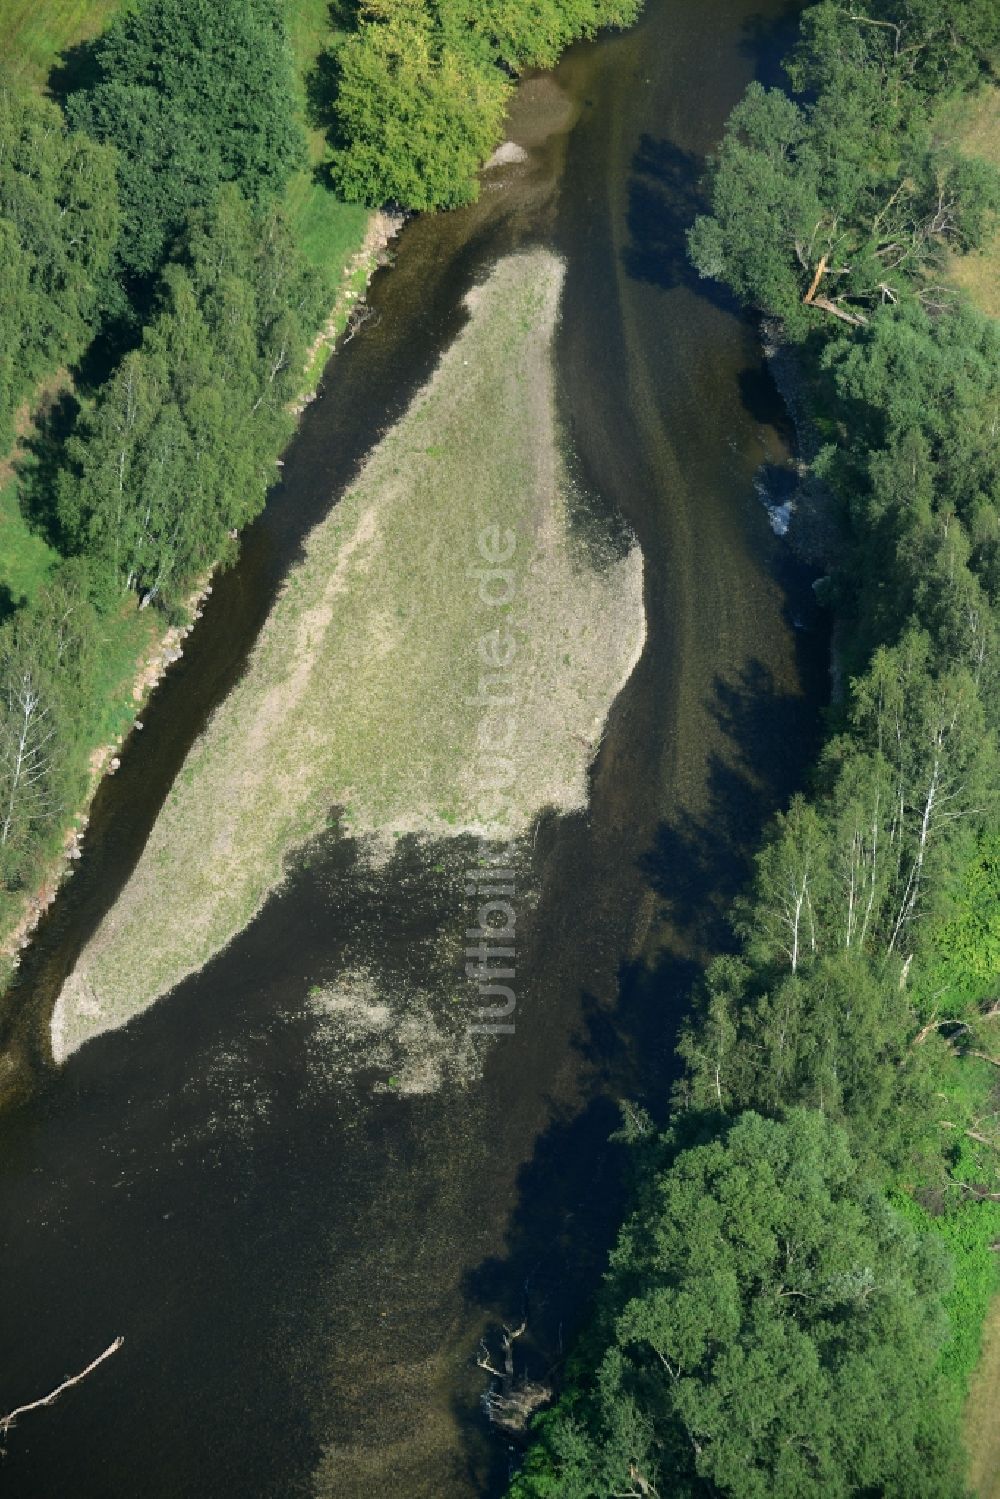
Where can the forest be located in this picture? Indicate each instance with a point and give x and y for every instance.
(147, 248)
(795, 1302)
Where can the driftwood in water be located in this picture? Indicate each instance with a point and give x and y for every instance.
(360, 314)
(512, 1406)
(6, 1422)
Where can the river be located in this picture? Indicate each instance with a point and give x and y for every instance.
(302, 1261)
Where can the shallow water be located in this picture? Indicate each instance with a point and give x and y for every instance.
(301, 1217)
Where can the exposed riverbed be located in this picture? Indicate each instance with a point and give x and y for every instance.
(441, 663)
(289, 1185)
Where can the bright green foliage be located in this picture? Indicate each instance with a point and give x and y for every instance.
(194, 93)
(417, 116)
(423, 84)
(58, 225)
(773, 1331)
(533, 36)
(25, 556)
(179, 446)
(963, 960)
(968, 1236)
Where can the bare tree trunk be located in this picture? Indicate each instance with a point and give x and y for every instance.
(810, 295)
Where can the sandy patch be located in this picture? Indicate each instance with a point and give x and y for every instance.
(508, 155)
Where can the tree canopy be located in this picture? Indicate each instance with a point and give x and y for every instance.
(178, 448)
(422, 86)
(417, 116)
(193, 93)
(838, 202)
(58, 227)
(773, 1329)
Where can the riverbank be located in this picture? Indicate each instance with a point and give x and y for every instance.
(442, 662)
(164, 649)
(131, 693)
(347, 243)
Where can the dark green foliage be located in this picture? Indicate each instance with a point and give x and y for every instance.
(919, 468)
(58, 226)
(865, 988)
(178, 449)
(894, 54)
(845, 202)
(194, 93)
(422, 86)
(48, 659)
(773, 1332)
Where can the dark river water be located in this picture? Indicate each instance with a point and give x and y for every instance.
(301, 1259)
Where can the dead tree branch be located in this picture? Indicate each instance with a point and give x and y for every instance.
(360, 314)
(814, 284)
(6, 1422)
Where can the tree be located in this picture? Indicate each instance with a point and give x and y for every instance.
(888, 48)
(178, 447)
(58, 225)
(766, 208)
(47, 658)
(414, 117)
(837, 1039)
(837, 206)
(927, 729)
(422, 86)
(28, 746)
(783, 918)
(193, 93)
(772, 1332)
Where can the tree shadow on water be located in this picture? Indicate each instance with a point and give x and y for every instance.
(573, 1192)
(700, 861)
(762, 401)
(767, 39)
(571, 1199)
(664, 197)
(573, 1195)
